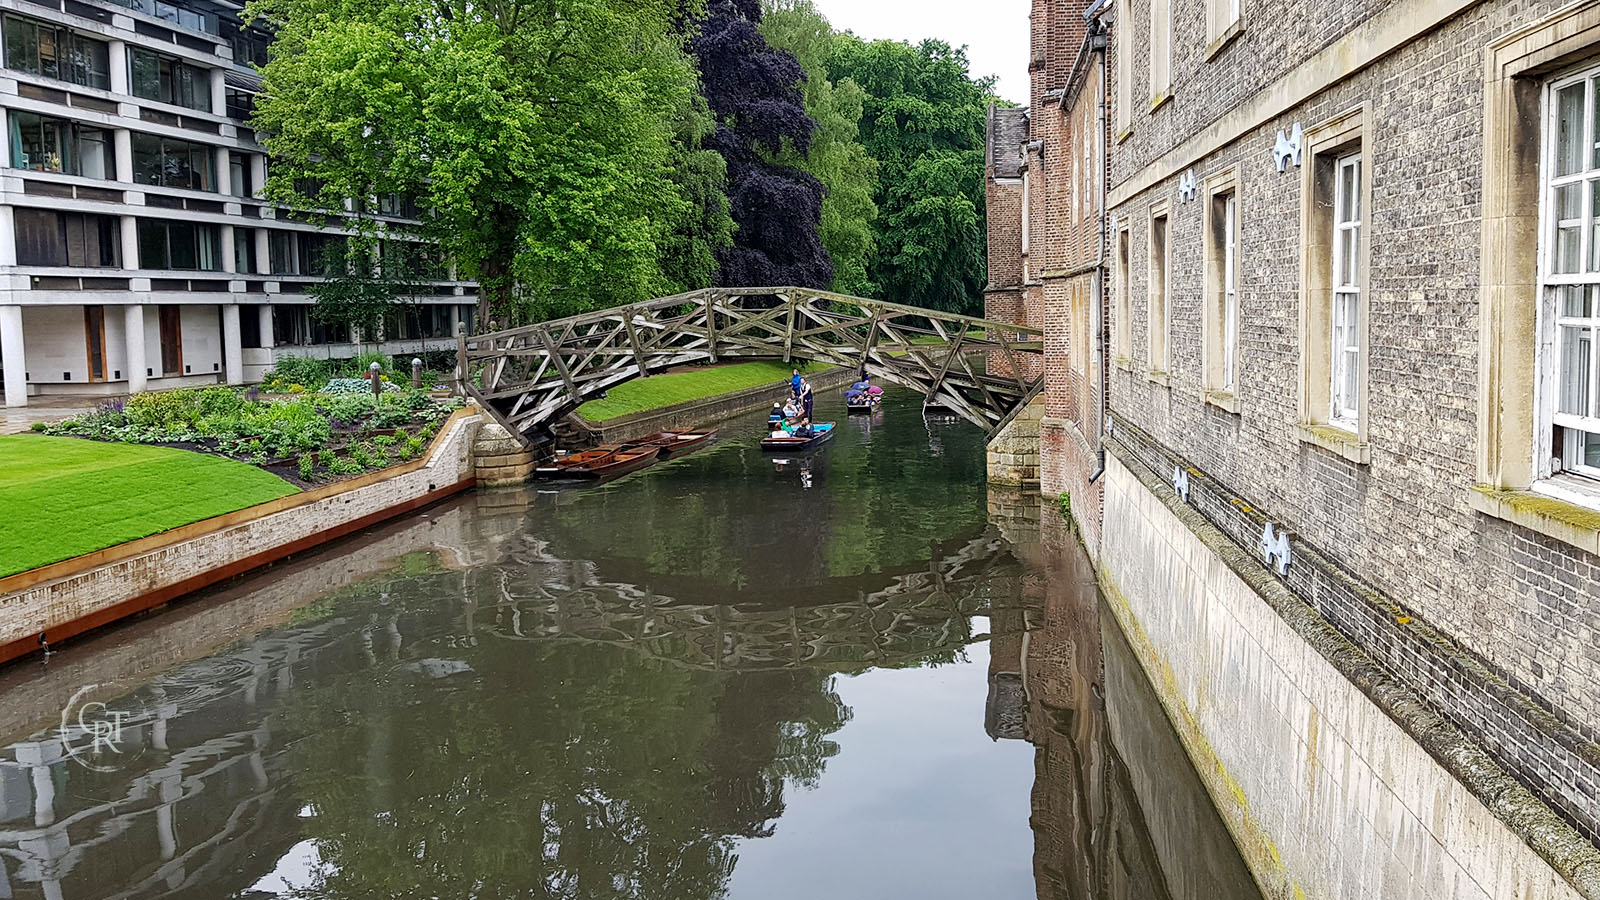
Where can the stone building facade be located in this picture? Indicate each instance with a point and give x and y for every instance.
(1351, 260)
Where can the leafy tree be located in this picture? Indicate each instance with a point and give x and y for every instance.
(540, 135)
(362, 283)
(837, 157)
(754, 93)
(924, 123)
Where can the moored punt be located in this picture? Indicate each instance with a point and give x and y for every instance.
(824, 431)
(595, 464)
(673, 442)
(863, 404)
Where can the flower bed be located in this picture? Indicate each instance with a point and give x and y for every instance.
(307, 439)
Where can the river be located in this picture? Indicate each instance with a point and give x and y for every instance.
(864, 674)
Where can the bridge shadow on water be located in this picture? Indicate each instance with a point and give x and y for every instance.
(620, 692)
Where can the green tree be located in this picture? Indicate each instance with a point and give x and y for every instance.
(362, 283)
(837, 158)
(539, 135)
(924, 123)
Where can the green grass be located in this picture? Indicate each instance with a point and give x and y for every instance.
(664, 390)
(62, 497)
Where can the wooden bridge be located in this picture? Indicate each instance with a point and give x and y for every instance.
(530, 377)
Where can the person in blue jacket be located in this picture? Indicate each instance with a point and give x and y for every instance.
(794, 382)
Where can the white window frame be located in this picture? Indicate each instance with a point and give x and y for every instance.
(1344, 392)
(1554, 409)
(1230, 291)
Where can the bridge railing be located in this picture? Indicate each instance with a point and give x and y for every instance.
(530, 376)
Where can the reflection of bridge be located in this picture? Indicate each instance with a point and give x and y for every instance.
(531, 376)
(913, 617)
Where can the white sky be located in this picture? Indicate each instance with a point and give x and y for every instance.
(995, 31)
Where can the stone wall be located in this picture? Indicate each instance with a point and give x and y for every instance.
(1325, 785)
(1014, 452)
(1517, 608)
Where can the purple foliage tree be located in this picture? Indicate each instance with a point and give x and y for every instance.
(754, 92)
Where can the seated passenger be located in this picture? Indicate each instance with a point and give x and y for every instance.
(777, 413)
(805, 430)
(778, 430)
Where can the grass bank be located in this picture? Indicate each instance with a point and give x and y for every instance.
(63, 497)
(657, 391)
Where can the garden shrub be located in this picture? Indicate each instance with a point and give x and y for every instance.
(308, 466)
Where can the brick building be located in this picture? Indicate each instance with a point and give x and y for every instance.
(1351, 317)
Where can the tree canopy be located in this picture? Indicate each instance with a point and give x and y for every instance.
(837, 157)
(923, 122)
(547, 140)
(577, 154)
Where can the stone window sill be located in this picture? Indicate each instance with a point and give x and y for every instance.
(1223, 40)
(1224, 400)
(1337, 440)
(1548, 510)
(1159, 376)
(1124, 134)
(1160, 100)
(1123, 363)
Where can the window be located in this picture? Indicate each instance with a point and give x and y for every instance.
(239, 175)
(178, 245)
(250, 47)
(157, 77)
(1124, 313)
(1345, 390)
(44, 144)
(244, 250)
(295, 325)
(239, 105)
(1158, 319)
(1160, 50)
(1221, 17)
(1221, 314)
(1122, 32)
(1333, 294)
(301, 253)
(398, 205)
(50, 238)
(177, 14)
(55, 52)
(1571, 273)
(168, 162)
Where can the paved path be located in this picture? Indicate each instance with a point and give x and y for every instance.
(14, 420)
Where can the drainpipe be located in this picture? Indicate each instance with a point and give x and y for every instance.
(1097, 39)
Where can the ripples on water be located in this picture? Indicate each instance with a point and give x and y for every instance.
(859, 673)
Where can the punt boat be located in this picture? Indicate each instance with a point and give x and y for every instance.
(600, 463)
(672, 443)
(824, 431)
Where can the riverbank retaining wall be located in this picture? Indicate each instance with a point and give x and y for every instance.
(1335, 779)
(49, 604)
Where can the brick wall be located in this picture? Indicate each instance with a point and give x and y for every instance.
(1520, 611)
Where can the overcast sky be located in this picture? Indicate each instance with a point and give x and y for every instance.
(995, 31)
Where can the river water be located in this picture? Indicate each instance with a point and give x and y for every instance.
(862, 674)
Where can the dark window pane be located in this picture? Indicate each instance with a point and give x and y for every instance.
(145, 73)
(40, 239)
(183, 246)
(152, 245)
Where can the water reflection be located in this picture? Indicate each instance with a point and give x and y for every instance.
(629, 692)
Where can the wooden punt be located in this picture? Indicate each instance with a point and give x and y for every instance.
(824, 431)
(672, 443)
(600, 463)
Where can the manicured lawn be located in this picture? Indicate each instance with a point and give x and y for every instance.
(62, 497)
(664, 390)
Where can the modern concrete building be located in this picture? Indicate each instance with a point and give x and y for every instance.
(1344, 502)
(135, 251)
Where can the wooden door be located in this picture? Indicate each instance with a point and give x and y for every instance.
(171, 341)
(94, 330)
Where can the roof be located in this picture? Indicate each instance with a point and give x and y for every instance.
(1007, 132)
